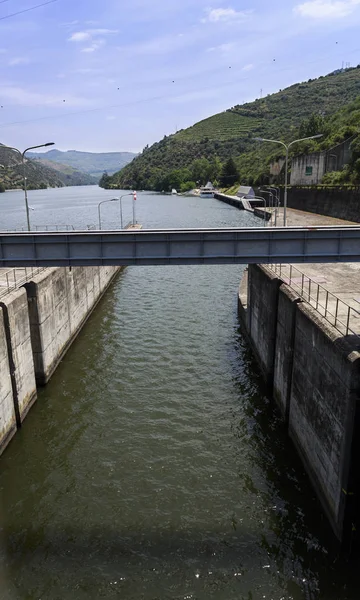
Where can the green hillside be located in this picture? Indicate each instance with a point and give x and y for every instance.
(38, 176)
(68, 175)
(92, 163)
(196, 153)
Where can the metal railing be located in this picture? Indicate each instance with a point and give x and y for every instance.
(337, 312)
(12, 279)
(46, 228)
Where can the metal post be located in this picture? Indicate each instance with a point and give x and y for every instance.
(326, 302)
(121, 214)
(348, 321)
(99, 214)
(286, 180)
(317, 297)
(336, 313)
(302, 284)
(26, 196)
(134, 200)
(287, 146)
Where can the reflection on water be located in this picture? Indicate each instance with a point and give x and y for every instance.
(153, 465)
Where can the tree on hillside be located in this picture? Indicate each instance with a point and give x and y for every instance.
(201, 170)
(229, 173)
(105, 180)
(312, 126)
(2, 187)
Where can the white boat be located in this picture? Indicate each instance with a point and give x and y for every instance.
(174, 192)
(207, 191)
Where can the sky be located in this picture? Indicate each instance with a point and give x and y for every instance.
(116, 75)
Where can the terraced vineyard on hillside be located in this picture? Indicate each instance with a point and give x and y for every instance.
(230, 134)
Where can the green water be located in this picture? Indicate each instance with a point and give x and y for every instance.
(153, 466)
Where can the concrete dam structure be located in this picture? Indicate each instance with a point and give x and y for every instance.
(313, 373)
(38, 323)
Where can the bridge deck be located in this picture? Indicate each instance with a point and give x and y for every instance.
(182, 246)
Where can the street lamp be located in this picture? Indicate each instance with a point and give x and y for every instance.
(121, 214)
(99, 208)
(287, 147)
(271, 202)
(277, 196)
(264, 201)
(22, 154)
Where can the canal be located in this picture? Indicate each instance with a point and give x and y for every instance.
(153, 466)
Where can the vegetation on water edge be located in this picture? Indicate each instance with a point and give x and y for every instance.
(328, 105)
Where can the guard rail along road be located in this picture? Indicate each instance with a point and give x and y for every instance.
(181, 246)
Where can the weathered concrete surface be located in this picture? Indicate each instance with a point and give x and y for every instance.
(16, 320)
(341, 203)
(7, 411)
(243, 301)
(12, 279)
(284, 348)
(60, 300)
(324, 394)
(262, 302)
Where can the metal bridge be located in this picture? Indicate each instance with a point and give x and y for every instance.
(181, 246)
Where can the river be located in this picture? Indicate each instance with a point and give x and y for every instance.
(153, 466)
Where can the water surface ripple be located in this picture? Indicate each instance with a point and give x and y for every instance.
(153, 466)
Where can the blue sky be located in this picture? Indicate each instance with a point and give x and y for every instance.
(119, 74)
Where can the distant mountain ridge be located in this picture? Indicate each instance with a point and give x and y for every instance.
(68, 175)
(92, 163)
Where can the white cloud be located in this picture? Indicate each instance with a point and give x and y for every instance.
(216, 15)
(18, 60)
(111, 118)
(94, 46)
(326, 9)
(102, 31)
(248, 67)
(89, 34)
(80, 36)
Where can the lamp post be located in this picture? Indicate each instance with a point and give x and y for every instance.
(22, 154)
(271, 200)
(121, 214)
(287, 147)
(277, 196)
(264, 201)
(99, 208)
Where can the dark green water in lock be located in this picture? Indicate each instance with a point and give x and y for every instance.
(153, 466)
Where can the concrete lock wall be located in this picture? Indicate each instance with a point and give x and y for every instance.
(316, 384)
(17, 387)
(324, 391)
(60, 300)
(7, 409)
(341, 203)
(284, 348)
(16, 318)
(262, 301)
(38, 322)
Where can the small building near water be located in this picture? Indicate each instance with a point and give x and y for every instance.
(245, 192)
(309, 169)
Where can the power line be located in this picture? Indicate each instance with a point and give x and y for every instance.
(20, 12)
(148, 99)
(2, 1)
